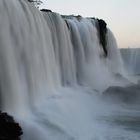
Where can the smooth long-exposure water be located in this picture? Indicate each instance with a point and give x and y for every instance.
(58, 81)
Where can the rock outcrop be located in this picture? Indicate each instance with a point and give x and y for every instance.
(129, 94)
(9, 129)
(102, 34)
(45, 10)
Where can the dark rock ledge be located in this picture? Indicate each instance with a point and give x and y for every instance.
(9, 129)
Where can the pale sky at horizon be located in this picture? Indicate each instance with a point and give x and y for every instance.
(122, 16)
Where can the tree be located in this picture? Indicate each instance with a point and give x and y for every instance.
(37, 3)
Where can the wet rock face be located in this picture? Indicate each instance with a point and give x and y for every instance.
(45, 10)
(9, 129)
(129, 94)
(102, 34)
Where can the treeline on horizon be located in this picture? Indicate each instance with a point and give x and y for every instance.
(37, 3)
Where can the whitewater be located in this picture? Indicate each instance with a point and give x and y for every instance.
(57, 80)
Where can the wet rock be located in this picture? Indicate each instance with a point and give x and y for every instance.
(119, 77)
(68, 25)
(9, 129)
(129, 94)
(102, 29)
(45, 10)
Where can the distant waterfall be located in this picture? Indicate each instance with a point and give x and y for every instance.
(41, 52)
(131, 60)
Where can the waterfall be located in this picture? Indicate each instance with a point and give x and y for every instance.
(44, 57)
(131, 60)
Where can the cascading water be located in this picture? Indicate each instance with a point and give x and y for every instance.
(131, 60)
(53, 71)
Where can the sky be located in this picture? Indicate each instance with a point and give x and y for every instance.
(121, 16)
